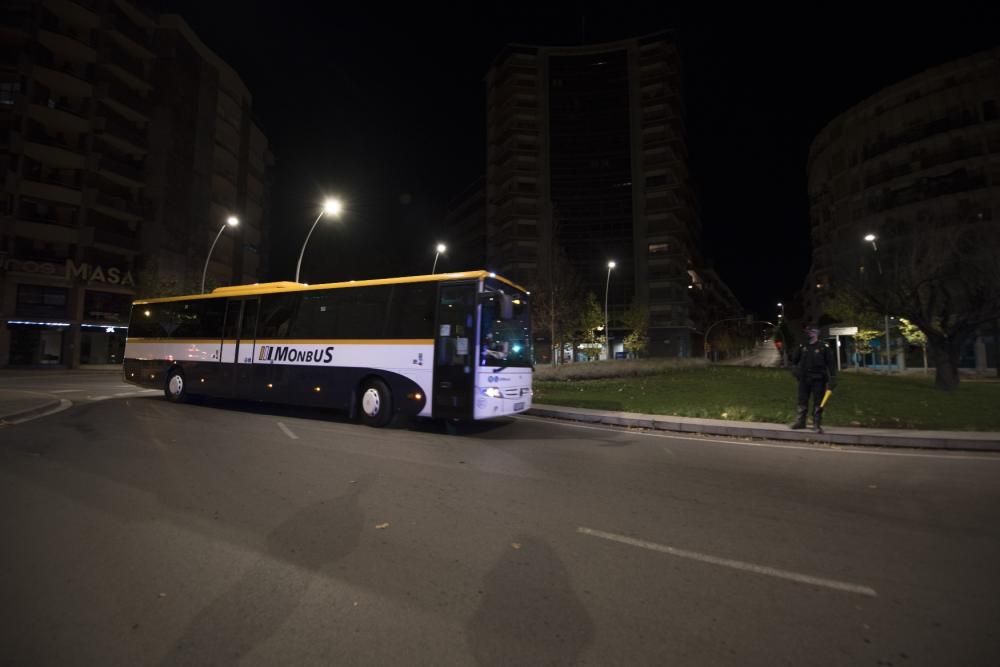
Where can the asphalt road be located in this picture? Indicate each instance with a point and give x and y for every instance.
(138, 532)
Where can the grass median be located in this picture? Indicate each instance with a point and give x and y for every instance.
(769, 395)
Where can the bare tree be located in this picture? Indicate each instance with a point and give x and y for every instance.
(589, 318)
(556, 302)
(945, 280)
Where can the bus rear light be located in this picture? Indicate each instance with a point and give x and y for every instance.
(270, 386)
(203, 380)
(415, 396)
(316, 389)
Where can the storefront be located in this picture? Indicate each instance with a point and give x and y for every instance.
(63, 314)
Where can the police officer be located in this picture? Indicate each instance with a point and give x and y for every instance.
(815, 367)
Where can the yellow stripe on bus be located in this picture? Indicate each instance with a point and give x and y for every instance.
(297, 341)
(287, 286)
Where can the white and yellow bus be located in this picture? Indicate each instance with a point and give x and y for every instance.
(455, 346)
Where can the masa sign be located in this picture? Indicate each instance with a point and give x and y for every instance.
(843, 331)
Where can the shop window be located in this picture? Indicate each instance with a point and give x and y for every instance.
(41, 301)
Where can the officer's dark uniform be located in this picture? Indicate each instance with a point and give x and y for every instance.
(816, 368)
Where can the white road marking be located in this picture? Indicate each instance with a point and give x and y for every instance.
(98, 398)
(65, 391)
(287, 431)
(669, 452)
(735, 564)
(819, 447)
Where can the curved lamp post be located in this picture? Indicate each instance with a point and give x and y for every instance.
(330, 207)
(607, 331)
(871, 238)
(231, 221)
(440, 250)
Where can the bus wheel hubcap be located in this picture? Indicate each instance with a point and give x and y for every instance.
(371, 402)
(176, 385)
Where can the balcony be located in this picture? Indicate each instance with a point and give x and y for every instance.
(129, 35)
(41, 212)
(84, 11)
(62, 75)
(116, 240)
(123, 136)
(114, 206)
(952, 121)
(123, 101)
(61, 185)
(120, 171)
(519, 128)
(127, 67)
(62, 112)
(64, 38)
(55, 148)
(16, 19)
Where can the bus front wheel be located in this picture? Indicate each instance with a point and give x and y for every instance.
(376, 403)
(175, 390)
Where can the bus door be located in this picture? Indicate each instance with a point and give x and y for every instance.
(238, 348)
(454, 351)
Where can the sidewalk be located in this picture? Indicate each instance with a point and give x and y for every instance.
(838, 435)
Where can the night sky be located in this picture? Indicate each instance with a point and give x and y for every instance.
(387, 110)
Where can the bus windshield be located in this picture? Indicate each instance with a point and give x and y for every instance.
(505, 336)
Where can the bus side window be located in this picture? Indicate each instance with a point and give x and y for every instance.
(412, 311)
(276, 314)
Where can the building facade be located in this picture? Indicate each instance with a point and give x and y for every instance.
(919, 155)
(587, 156)
(91, 207)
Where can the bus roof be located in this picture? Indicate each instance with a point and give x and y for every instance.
(289, 286)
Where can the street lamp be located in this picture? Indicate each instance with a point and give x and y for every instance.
(782, 313)
(871, 238)
(440, 250)
(231, 221)
(330, 207)
(607, 331)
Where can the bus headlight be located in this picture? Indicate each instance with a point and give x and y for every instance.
(492, 392)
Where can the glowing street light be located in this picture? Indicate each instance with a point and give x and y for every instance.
(440, 250)
(870, 238)
(782, 313)
(330, 207)
(607, 331)
(231, 221)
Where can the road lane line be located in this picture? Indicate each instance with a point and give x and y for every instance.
(734, 564)
(287, 431)
(64, 391)
(818, 447)
(98, 398)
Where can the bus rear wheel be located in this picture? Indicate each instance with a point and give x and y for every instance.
(376, 403)
(175, 390)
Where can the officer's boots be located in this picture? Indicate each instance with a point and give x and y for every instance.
(818, 420)
(800, 418)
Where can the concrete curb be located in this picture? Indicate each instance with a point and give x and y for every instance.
(50, 405)
(951, 440)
